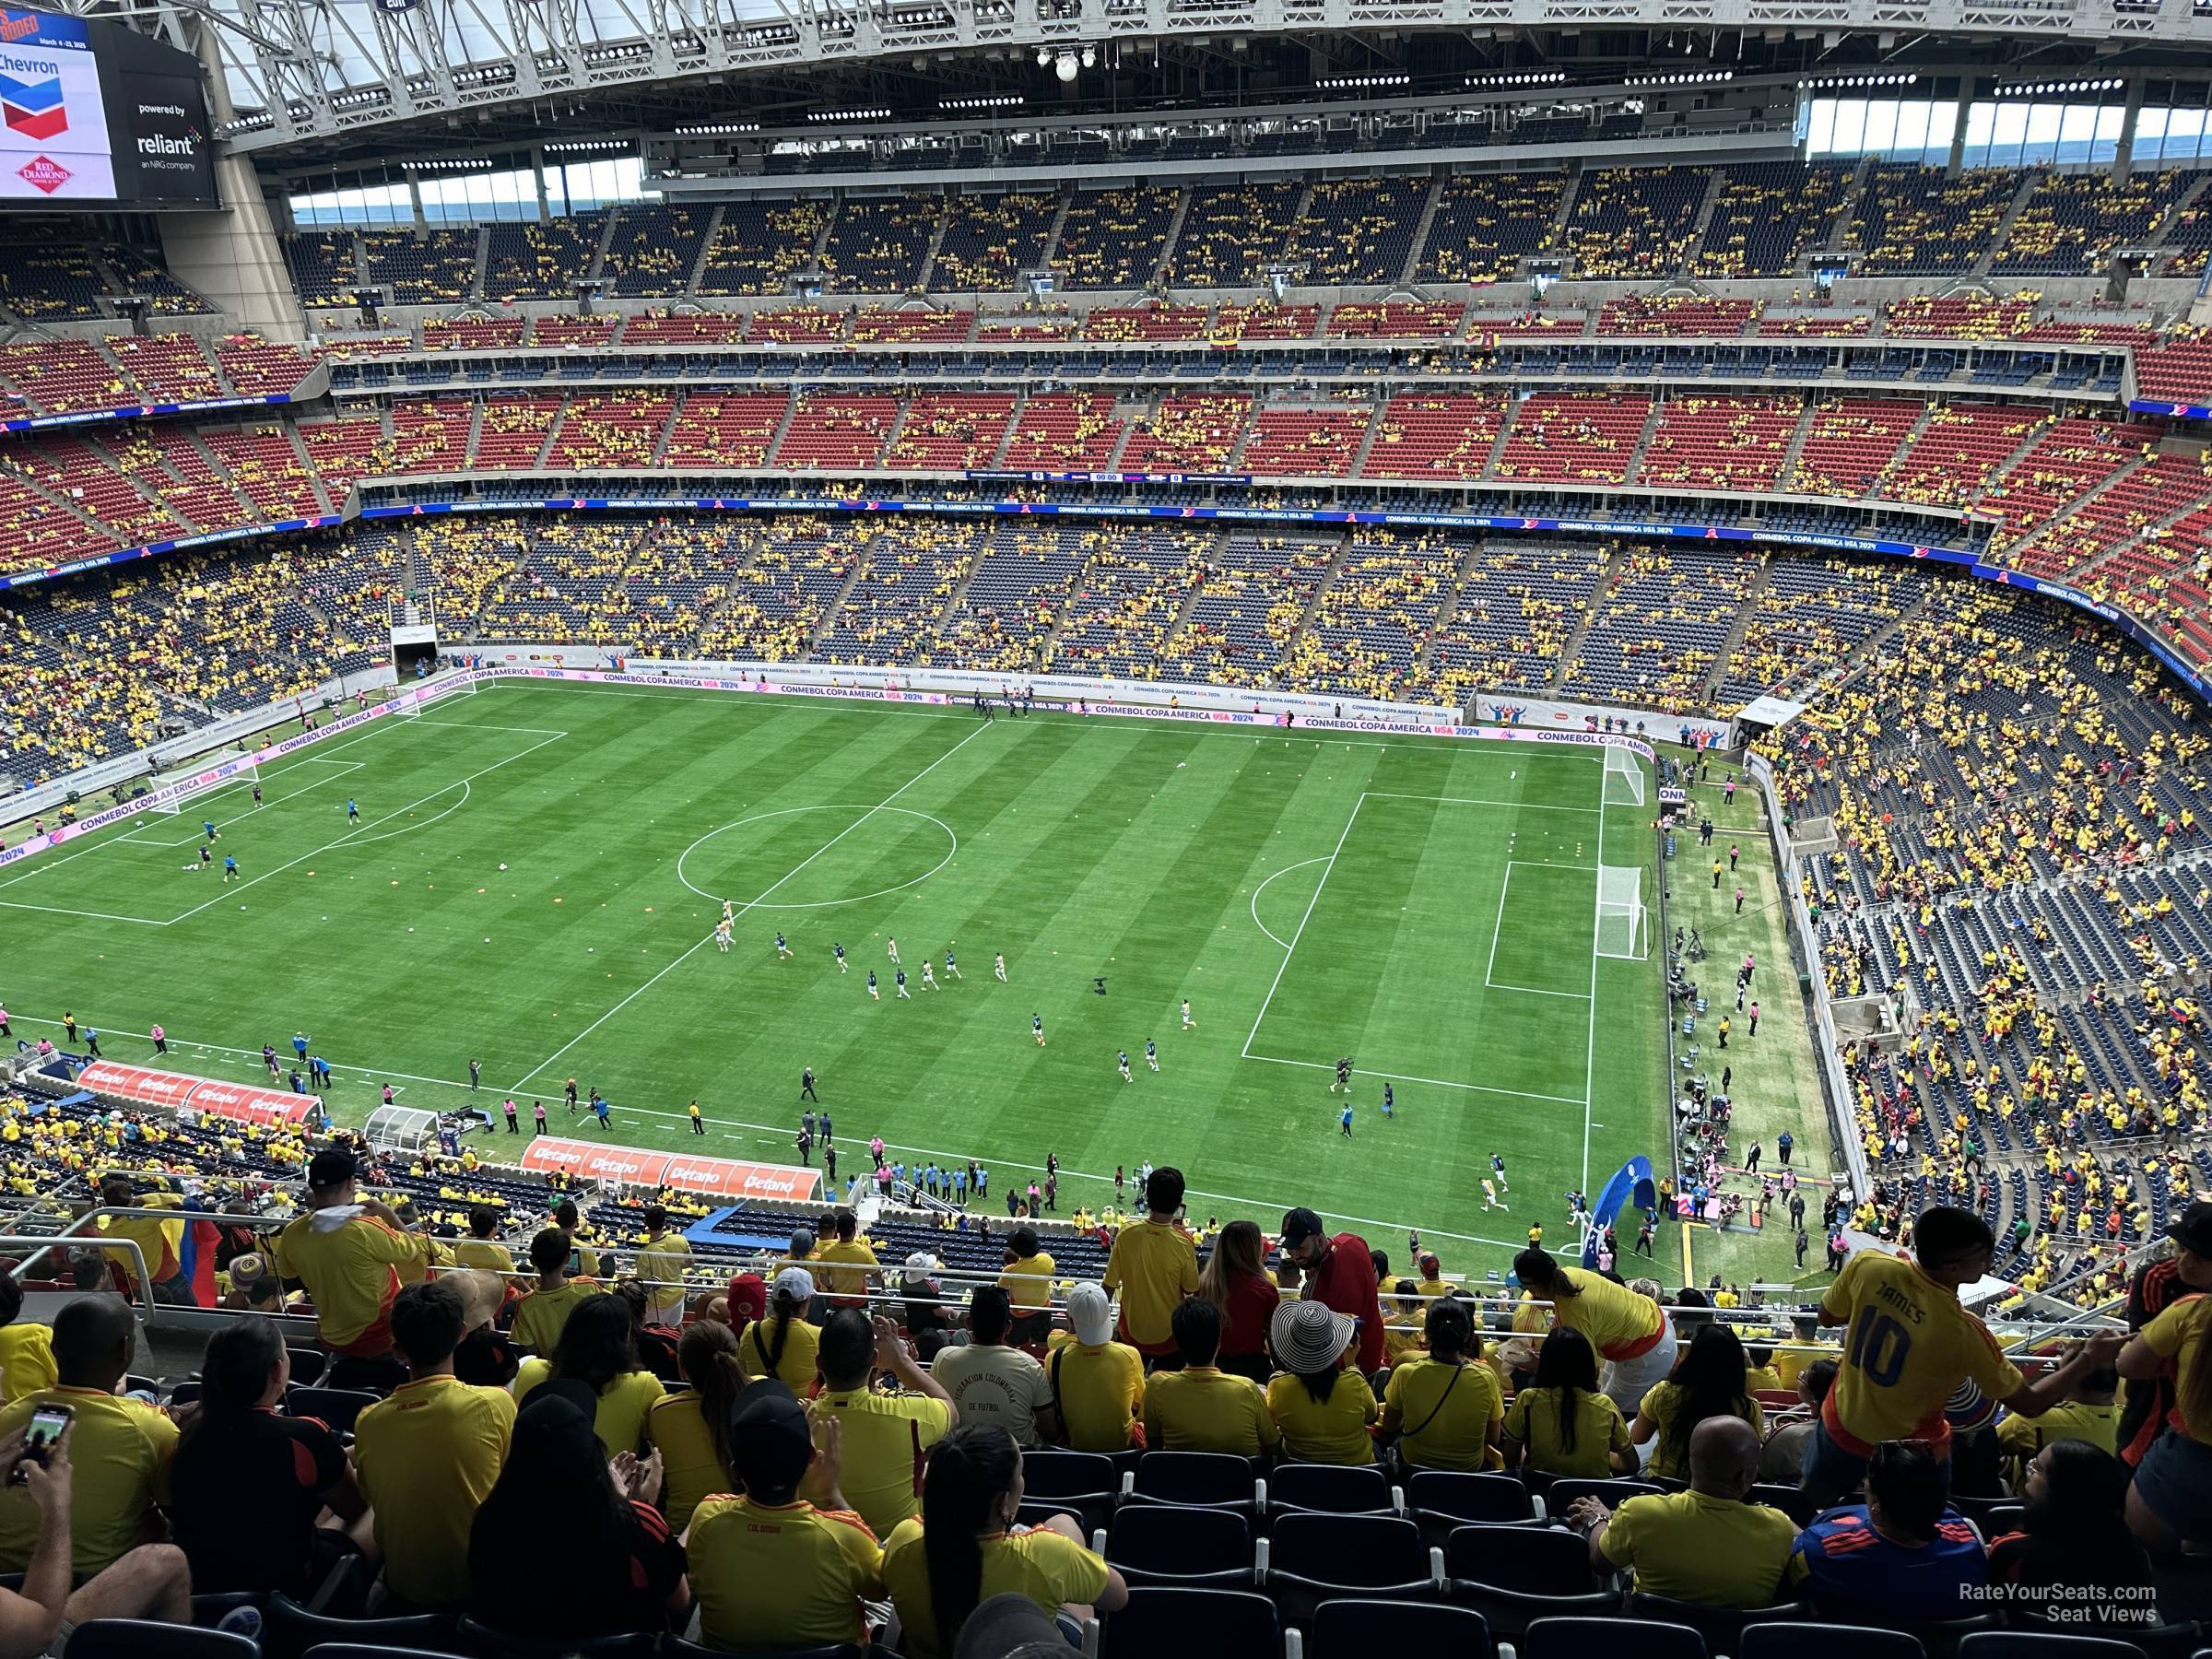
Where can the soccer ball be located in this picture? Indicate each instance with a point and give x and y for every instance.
(502, 866)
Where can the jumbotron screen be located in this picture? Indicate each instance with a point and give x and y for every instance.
(95, 114)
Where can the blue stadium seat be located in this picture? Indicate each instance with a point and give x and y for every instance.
(337, 1408)
(289, 1631)
(1439, 1502)
(1721, 1627)
(1208, 1479)
(1164, 1544)
(1330, 1489)
(1806, 1640)
(1312, 1557)
(1221, 1624)
(1579, 1637)
(675, 1647)
(1513, 1576)
(1352, 1627)
(2039, 1644)
(495, 1644)
(1084, 1484)
(145, 1639)
(354, 1650)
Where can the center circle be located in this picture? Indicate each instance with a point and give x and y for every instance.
(793, 862)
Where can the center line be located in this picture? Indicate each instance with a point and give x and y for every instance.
(766, 893)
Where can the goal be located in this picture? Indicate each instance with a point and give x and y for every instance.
(172, 801)
(1621, 924)
(410, 701)
(1624, 778)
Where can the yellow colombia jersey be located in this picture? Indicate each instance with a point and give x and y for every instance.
(1907, 1344)
(819, 1563)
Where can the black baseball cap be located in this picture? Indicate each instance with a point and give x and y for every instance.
(2192, 1230)
(332, 1166)
(1299, 1225)
(771, 1441)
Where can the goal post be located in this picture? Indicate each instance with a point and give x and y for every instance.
(1621, 924)
(180, 797)
(1624, 778)
(410, 701)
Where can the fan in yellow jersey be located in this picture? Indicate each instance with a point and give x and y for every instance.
(1632, 1337)
(1909, 1344)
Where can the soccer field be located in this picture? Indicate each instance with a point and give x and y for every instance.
(1426, 907)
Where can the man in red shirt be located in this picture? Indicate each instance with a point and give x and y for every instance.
(1340, 1273)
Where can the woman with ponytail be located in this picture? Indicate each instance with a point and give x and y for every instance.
(248, 1483)
(784, 1345)
(692, 1431)
(965, 1548)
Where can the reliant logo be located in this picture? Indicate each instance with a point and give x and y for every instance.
(44, 173)
(33, 108)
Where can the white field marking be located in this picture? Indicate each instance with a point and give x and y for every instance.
(820, 903)
(774, 1135)
(470, 725)
(1498, 928)
(62, 910)
(467, 790)
(1518, 1094)
(1123, 721)
(776, 1138)
(1385, 795)
(347, 840)
(321, 757)
(1590, 1048)
(268, 801)
(1291, 949)
(516, 1086)
(1262, 887)
(191, 1045)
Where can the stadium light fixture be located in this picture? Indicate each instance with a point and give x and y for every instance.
(1362, 83)
(1007, 101)
(1528, 78)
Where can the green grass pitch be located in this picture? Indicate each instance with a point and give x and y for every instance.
(1425, 907)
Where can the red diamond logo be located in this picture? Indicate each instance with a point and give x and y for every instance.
(44, 173)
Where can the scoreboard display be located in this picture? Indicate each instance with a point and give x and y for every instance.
(93, 114)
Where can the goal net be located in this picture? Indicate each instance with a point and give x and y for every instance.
(1620, 914)
(197, 792)
(1624, 778)
(410, 701)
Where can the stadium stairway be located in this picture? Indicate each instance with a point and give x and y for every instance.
(1735, 642)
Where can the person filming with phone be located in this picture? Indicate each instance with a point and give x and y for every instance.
(54, 1525)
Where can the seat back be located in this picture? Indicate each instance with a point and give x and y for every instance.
(1529, 1560)
(1347, 1552)
(307, 1366)
(1791, 1501)
(289, 1631)
(1194, 1477)
(675, 1647)
(337, 1407)
(2042, 1644)
(354, 1650)
(1069, 1475)
(1328, 1488)
(1221, 1624)
(497, 1644)
(1579, 1637)
(1721, 1627)
(145, 1639)
(1355, 1628)
(1160, 1544)
(1490, 1498)
(1806, 1639)
(1611, 1493)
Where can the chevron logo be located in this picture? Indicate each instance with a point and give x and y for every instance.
(33, 108)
